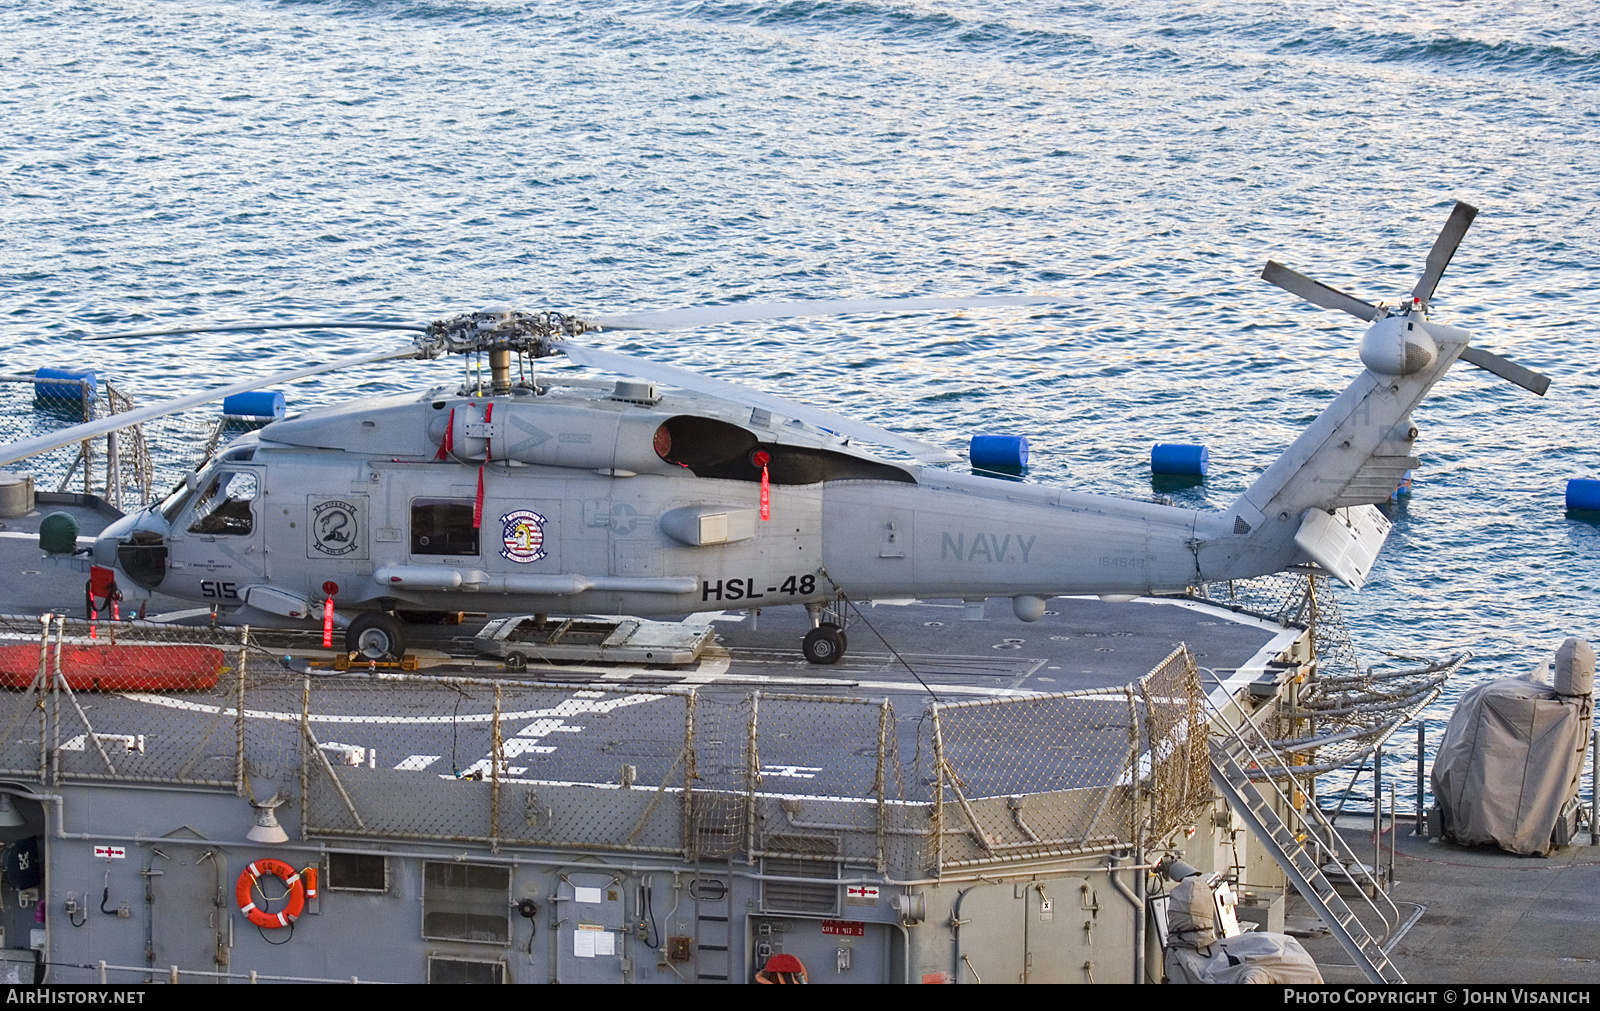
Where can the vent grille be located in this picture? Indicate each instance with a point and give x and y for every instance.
(801, 896)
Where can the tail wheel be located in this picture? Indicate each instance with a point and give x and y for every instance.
(515, 661)
(375, 636)
(823, 644)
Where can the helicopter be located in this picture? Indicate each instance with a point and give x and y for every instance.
(586, 496)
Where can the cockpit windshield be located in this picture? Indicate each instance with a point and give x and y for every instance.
(172, 506)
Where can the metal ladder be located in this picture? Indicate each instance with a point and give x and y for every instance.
(713, 922)
(1232, 780)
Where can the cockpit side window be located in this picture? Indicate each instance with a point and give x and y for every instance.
(224, 506)
(443, 527)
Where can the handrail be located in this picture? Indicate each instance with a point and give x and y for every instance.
(1341, 851)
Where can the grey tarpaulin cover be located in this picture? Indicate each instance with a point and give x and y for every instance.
(1513, 752)
(1196, 955)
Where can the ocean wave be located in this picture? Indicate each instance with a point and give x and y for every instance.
(1449, 52)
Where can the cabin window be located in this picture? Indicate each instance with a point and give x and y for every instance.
(224, 507)
(466, 902)
(442, 527)
(458, 970)
(358, 872)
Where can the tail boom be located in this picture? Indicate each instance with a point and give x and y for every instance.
(1352, 456)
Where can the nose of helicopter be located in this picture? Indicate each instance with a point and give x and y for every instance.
(137, 546)
(105, 545)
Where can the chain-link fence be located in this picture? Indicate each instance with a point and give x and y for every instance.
(1052, 775)
(128, 702)
(117, 467)
(1341, 712)
(1302, 598)
(802, 782)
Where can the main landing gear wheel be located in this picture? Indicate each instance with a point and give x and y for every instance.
(844, 637)
(824, 644)
(375, 636)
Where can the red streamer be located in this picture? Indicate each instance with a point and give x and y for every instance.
(327, 623)
(448, 443)
(477, 506)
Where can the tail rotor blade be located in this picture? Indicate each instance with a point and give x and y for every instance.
(1317, 293)
(1444, 247)
(1534, 382)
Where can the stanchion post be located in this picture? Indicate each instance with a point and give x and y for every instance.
(1421, 829)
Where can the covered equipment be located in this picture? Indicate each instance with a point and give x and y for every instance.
(1205, 945)
(1507, 771)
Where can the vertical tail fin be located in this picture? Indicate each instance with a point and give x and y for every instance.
(1354, 454)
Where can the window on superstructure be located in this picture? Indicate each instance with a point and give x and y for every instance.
(358, 872)
(466, 902)
(458, 970)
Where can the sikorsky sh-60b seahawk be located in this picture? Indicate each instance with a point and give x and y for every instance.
(631, 499)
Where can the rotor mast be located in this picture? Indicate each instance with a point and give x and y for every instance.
(499, 371)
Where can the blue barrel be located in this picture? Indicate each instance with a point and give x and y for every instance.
(1176, 458)
(999, 452)
(1583, 493)
(59, 391)
(255, 404)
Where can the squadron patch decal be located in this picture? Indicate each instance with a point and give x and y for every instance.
(522, 533)
(335, 527)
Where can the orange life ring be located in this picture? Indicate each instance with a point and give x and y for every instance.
(245, 893)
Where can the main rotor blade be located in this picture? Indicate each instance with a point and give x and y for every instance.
(1444, 247)
(12, 452)
(676, 319)
(1317, 293)
(628, 365)
(1535, 382)
(312, 324)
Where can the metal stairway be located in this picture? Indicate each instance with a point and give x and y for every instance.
(1232, 780)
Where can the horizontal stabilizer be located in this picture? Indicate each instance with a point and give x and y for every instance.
(1345, 542)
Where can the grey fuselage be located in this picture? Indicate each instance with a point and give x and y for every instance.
(587, 507)
(590, 499)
